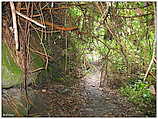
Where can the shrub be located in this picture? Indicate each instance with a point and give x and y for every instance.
(137, 92)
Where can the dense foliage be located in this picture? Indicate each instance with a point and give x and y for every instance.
(116, 37)
(121, 35)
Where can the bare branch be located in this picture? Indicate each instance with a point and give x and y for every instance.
(151, 62)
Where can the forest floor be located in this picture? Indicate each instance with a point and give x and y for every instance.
(104, 102)
(82, 98)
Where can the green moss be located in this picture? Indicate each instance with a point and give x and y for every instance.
(11, 73)
(37, 61)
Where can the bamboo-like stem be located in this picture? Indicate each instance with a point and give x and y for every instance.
(15, 25)
(29, 19)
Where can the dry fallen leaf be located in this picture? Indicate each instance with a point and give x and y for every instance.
(139, 11)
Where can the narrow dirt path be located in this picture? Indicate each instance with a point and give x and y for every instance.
(105, 103)
(81, 99)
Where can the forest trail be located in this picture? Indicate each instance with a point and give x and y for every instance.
(103, 102)
(83, 98)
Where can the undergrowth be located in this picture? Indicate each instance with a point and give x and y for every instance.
(137, 91)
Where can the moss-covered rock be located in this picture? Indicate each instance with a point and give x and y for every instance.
(11, 73)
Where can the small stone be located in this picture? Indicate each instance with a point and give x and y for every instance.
(107, 98)
(93, 85)
(44, 90)
(152, 89)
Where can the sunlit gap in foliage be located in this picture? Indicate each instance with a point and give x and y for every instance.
(92, 56)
